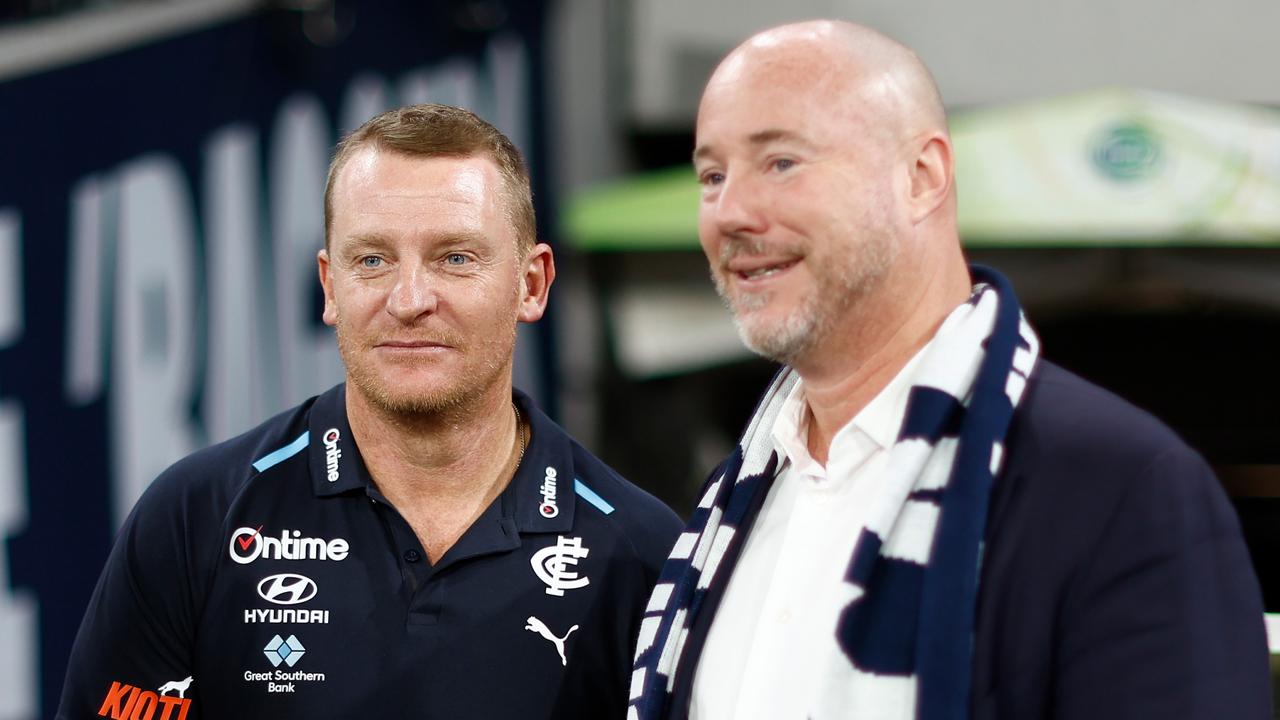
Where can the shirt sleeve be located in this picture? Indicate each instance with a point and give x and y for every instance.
(132, 657)
(1166, 621)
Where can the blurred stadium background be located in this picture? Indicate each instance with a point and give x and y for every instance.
(161, 170)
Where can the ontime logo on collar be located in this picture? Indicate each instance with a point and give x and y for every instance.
(331, 453)
(548, 508)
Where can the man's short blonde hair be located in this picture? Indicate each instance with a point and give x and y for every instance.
(432, 130)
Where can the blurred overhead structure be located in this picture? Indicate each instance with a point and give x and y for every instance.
(45, 36)
(1119, 167)
(1109, 168)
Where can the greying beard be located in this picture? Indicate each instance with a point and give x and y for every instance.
(837, 286)
(785, 343)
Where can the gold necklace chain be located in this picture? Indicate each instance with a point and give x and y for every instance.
(519, 433)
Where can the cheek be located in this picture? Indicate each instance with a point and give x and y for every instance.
(355, 303)
(881, 211)
(488, 299)
(708, 238)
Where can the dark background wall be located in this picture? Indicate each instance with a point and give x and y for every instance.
(159, 216)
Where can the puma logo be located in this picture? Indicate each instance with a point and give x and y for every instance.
(179, 685)
(536, 625)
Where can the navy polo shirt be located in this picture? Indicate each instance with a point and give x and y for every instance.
(266, 577)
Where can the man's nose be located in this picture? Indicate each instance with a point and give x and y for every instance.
(413, 295)
(737, 207)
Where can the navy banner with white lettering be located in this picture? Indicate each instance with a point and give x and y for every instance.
(160, 209)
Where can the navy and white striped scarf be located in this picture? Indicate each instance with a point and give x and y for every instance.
(901, 647)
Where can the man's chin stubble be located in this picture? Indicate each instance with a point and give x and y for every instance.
(784, 344)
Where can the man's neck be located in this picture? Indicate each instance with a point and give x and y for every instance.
(440, 471)
(851, 367)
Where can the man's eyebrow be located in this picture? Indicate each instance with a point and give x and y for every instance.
(774, 135)
(452, 238)
(364, 240)
(761, 137)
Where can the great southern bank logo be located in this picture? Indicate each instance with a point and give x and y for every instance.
(331, 453)
(288, 651)
(249, 544)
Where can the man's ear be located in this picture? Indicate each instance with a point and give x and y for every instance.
(330, 314)
(538, 273)
(931, 176)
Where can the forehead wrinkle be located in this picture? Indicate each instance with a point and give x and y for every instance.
(434, 194)
(446, 236)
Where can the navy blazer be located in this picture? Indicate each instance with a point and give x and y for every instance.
(1115, 581)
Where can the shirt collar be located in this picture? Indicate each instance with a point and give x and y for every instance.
(542, 493)
(336, 465)
(791, 428)
(880, 420)
(540, 498)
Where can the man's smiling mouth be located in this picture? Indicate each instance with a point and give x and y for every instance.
(765, 271)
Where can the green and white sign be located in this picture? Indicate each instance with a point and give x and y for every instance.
(1111, 167)
(1119, 167)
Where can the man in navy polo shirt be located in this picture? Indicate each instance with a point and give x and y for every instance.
(419, 542)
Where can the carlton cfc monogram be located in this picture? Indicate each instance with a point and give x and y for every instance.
(554, 565)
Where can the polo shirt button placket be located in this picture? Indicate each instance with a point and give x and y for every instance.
(412, 556)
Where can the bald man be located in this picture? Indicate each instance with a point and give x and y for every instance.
(923, 519)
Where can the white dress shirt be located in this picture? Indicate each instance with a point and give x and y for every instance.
(758, 661)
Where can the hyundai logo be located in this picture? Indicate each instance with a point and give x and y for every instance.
(286, 589)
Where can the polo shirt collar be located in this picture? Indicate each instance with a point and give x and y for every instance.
(543, 493)
(336, 464)
(879, 421)
(540, 498)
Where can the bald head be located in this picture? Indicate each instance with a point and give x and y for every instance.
(841, 62)
(827, 191)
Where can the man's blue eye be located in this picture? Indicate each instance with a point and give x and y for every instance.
(456, 259)
(371, 261)
(784, 163)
